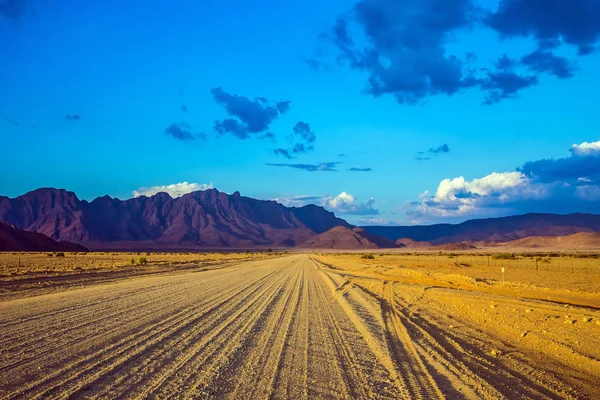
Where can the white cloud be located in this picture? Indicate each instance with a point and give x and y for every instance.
(451, 189)
(460, 197)
(343, 203)
(562, 185)
(174, 190)
(586, 149)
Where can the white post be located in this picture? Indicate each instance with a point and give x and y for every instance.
(503, 275)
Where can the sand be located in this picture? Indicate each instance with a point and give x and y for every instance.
(297, 326)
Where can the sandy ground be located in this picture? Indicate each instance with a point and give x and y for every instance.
(296, 327)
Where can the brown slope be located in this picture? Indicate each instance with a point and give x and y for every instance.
(204, 218)
(345, 238)
(13, 239)
(412, 244)
(454, 246)
(583, 240)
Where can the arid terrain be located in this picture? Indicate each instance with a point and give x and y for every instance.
(319, 325)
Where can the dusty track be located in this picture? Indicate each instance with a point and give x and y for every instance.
(281, 328)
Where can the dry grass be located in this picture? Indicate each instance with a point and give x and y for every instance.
(565, 271)
(15, 264)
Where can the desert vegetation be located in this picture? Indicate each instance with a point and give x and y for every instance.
(20, 263)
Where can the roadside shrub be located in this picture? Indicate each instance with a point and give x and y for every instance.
(368, 256)
(143, 261)
(503, 256)
(132, 260)
(50, 255)
(59, 254)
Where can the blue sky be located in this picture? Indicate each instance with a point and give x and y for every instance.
(400, 111)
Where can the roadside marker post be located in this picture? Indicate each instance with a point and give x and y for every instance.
(503, 275)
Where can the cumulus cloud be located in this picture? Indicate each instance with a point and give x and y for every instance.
(574, 22)
(586, 149)
(406, 54)
(174, 190)
(327, 166)
(403, 45)
(345, 203)
(183, 132)
(563, 185)
(247, 116)
(564, 169)
(460, 189)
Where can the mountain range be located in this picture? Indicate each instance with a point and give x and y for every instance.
(499, 230)
(200, 219)
(213, 219)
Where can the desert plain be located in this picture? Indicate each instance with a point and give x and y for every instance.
(261, 325)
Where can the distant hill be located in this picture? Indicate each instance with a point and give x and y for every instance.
(454, 246)
(493, 229)
(13, 239)
(412, 244)
(582, 240)
(345, 238)
(200, 219)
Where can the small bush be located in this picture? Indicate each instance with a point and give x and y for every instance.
(59, 254)
(143, 261)
(504, 256)
(50, 255)
(368, 256)
(132, 260)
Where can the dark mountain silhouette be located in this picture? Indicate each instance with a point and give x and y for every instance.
(13, 239)
(204, 218)
(342, 237)
(493, 229)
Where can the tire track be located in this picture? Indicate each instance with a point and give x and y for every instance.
(409, 365)
(270, 329)
(114, 351)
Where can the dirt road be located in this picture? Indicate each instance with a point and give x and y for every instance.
(280, 328)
